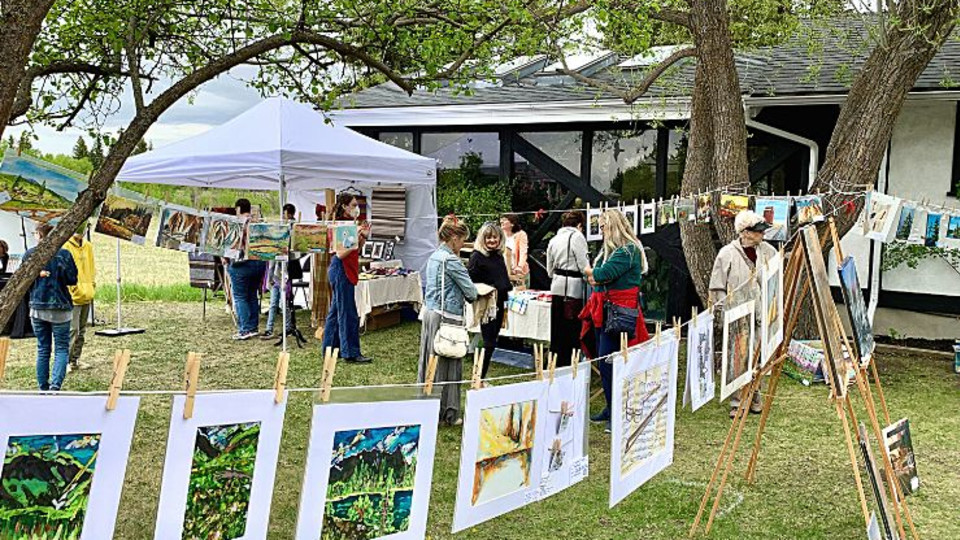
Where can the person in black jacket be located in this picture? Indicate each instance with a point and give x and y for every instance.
(488, 266)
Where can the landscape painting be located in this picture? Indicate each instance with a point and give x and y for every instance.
(181, 229)
(809, 209)
(731, 205)
(45, 485)
(221, 477)
(124, 218)
(953, 228)
(505, 454)
(666, 213)
(224, 236)
(908, 214)
(36, 189)
(268, 241)
(776, 212)
(648, 218)
(309, 237)
(857, 310)
(686, 210)
(738, 343)
(372, 477)
(932, 236)
(900, 448)
(771, 308)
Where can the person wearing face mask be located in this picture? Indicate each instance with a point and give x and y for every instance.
(488, 266)
(342, 327)
(738, 264)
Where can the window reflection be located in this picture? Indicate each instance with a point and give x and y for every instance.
(624, 163)
(400, 139)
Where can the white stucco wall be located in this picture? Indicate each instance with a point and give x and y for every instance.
(921, 161)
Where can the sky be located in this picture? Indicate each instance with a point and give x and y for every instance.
(216, 102)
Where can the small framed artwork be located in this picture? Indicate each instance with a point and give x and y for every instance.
(367, 250)
(378, 248)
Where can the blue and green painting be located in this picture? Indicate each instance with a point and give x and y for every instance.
(221, 477)
(35, 189)
(370, 491)
(45, 485)
(268, 241)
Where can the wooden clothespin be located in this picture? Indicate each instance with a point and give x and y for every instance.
(120, 364)
(431, 373)
(191, 379)
(676, 327)
(693, 315)
(624, 346)
(477, 380)
(538, 361)
(552, 367)
(4, 352)
(659, 327)
(329, 368)
(575, 363)
(280, 376)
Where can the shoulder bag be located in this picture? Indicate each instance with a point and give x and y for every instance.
(451, 339)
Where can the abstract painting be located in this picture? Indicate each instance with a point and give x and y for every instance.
(220, 466)
(224, 235)
(731, 205)
(593, 224)
(857, 311)
(368, 470)
(686, 210)
(63, 460)
(776, 212)
(35, 189)
(502, 434)
(736, 364)
(809, 209)
(563, 458)
(268, 241)
(771, 308)
(643, 411)
(632, 213)
(309, 237)
(899, 445)
(180, 228)
(881, 215)
(648, 218)
(932, 236)
(666, 213)
(123, 218)
(703, 208)
(700, 387)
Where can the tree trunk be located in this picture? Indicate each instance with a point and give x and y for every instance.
(20, 25)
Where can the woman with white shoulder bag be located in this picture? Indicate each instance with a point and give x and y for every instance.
(444, 331)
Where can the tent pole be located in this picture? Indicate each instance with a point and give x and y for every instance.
(283, 267)
(119, 325)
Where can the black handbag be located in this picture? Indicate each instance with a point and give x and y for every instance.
(571, 306)
(619, 319)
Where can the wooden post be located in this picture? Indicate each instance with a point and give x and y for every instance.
(280, 376)
(116, 381)
(329, 368)
(4, 353)
(430, 375)
(191, 379)
(477, 380)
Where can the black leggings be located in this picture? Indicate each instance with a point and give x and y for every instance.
(564, 332)
(490, 332)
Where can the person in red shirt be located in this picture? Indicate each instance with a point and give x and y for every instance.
(342, 327)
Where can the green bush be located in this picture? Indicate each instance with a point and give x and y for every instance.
(467, 191)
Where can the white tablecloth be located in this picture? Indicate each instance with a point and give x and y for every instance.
(386, 291)
(534, 324)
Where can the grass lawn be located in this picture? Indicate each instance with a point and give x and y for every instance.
(805, 488)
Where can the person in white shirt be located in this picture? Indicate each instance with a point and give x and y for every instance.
(566, 259)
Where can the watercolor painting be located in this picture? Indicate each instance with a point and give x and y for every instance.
(731, 205)
(776, 212)
(309, 237)
(224, 235)
(45, 485)
(899, 445)
(643, 417)
(771, 308)
(857, 310)
(181, 229)
(221, 476)
(371, 486)
(268, 241)
(632, 213)
(703, 208)
(736, 364)
(505, 453)
(124, 218)
(666, 213)
(36, 189)
(809, 209)
(686, 210)
(953, 228)
(908, 214)
(881, 215)
(932, 236)
(593, 224)
(563, 460)
(344, 235)
(648, 218)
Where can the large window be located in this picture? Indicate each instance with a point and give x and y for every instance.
(625, 163)
(400, 139)
(676, 161)
(451, 149)
(564, 147)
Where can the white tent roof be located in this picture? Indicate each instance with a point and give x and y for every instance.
(275, 138)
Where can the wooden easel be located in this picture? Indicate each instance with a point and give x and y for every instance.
(798, 282)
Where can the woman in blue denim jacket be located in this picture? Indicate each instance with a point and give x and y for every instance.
(448, 288)
(51, 310)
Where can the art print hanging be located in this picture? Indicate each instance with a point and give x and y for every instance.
(856, 310)
(64, 460)
(309, 237)
(35, 189)
(809, 209)
(563, 457)
(643, 411)
(125, 218)
(736, 364)
(632, 213)
(703, 208)
(686, 210)
(700, 387)
(369, 470)
(932, 236)
(224, 235)
(731, 205)
(220, 466)
(268, 241)
(181, 228)
(593, 224)
(881, 214)
(648, 218)
(771, 308)
(776, 212)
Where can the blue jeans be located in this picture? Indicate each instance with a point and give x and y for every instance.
(342, 328)
(245, 279)
(56, 337)
(274, 307)
(607, 343)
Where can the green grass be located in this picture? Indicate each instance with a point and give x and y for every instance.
(804, 486)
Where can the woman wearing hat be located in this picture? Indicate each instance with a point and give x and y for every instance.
(739, 263)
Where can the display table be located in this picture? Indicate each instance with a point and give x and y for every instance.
(532, 324)
(383, 291)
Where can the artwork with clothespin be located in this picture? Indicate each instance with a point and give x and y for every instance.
(504, 427)
(632, 213)
(226, 451)
(771, 308)
(643, 414)
(593, 224)
(739, 338)
(700, 386)
(43, 436)
(704, 200)
(181, 228)
(648, 217)
(377, 456)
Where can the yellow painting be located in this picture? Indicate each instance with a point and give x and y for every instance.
(505, 452)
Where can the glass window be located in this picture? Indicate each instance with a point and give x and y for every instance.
(450, 150)
(400, 139)
(624, 163)
(564, 147)
(676, 160)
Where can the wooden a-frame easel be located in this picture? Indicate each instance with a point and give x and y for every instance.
(800, 280)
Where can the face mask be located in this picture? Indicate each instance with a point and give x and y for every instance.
(355, 212)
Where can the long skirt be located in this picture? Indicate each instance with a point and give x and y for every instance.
(448, 369)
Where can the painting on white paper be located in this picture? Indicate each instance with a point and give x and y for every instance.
(369, 470)
(738, 344)
(700, 387)
(648, 218)
(881, 214)
(593, 224)
(644, 415)
(64, 460)
(226, 452)
(502, 433)
(632, 213)
(563, 458)
(771, 308)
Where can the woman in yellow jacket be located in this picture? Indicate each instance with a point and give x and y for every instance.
(82, 293)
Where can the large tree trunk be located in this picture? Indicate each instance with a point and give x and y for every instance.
(19, 27)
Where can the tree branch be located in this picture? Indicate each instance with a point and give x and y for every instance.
(629, 96)
(133, 63)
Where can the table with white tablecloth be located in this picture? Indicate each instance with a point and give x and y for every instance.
(388, 291)
(532, 324)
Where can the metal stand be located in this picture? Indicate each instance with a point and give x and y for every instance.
(120, 330)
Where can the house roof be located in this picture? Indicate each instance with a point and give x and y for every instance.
(818, 60)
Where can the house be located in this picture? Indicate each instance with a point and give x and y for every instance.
(534, 124)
